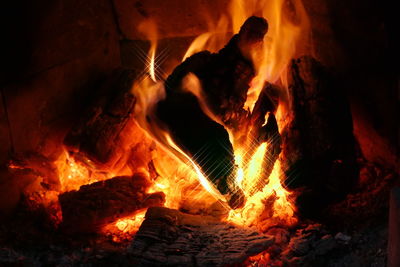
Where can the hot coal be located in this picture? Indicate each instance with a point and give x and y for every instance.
(95, 205)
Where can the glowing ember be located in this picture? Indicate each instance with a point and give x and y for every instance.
(73, 174)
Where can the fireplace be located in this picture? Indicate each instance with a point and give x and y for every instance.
(243, 133)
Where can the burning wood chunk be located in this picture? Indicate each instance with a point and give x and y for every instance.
(100, 203)
(319, 147)
(225, 78)
(170, 237)
(97, 136)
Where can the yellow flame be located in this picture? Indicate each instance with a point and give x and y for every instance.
(254, 168)
(283, 209)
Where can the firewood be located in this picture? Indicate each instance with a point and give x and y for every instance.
(169, 237)
(100, 203)
(318, 144)
(97, 136)
(225, 78)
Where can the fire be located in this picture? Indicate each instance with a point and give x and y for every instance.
(177, 175)
(288, 28)
(149, 29)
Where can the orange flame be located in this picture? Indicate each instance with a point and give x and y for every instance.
(149, 29)
(287, 37)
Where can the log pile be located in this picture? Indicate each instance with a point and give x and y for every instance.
(95, 205)
(169, 238)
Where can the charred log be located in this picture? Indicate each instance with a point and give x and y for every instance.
(95, 205)
(169, 237)
(319, 147)
(97, 136)
(225, 78)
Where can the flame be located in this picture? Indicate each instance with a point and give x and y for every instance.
(288, 28)
(148, 94)
(287, 37)
(213, 40)
(149, 29)
(282, 208)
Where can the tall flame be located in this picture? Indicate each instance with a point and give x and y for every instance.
(149, 29)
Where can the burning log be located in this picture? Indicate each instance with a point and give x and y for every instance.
(268, 133)
(319, 147)
(262, 132)
(101, 203)
(97, 136)
(169, 237)
(225, 78)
